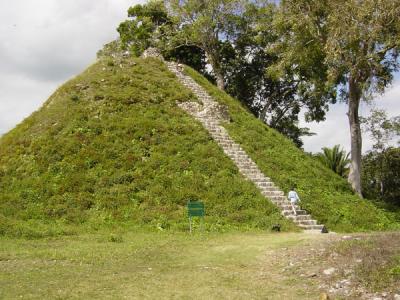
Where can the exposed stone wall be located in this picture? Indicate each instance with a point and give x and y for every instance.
(152, 52)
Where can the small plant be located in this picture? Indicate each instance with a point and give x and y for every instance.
(114, 238)
(75, 98)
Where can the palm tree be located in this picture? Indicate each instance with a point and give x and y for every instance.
(335, 159)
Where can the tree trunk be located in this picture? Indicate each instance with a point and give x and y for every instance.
(355, 134)
(213, 59)
(220, 81)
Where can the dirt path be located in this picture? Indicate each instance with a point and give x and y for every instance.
(331, 264)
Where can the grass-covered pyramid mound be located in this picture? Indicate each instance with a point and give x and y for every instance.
(112, 146)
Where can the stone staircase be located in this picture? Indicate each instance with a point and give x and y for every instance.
(211, 115)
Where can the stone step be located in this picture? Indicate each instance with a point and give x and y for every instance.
(233, 149)
(289, 207)
(230, 145)
(311, 227)
(236, 151)
(272, 193)
(247, 164)
(240, 156)
(220, 134)
(265, 185)
(215, 128)
(300, 217)
(305, 222)
(212, 125)
(279, 202)
(280, 198)
(225, 140)
(287, 212)
(252, 176)
(222, 137)
(262, 179)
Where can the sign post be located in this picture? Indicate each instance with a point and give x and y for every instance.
(195, 209)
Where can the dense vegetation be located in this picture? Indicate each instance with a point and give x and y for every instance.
(280, 58)
(110, 146)
(381, 176)
(327, 196)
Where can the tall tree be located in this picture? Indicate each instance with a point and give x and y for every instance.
(205, 24)
(274, 101)
(381, 175)
(382, 130)
(351, 45)
(148, 25)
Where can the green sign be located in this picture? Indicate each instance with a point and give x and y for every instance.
(195, 209)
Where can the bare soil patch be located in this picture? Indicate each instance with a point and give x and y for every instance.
(356, 266)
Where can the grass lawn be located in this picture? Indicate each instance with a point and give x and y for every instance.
(144, 265)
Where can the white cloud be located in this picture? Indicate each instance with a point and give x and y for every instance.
(335, 130)
(45, 42)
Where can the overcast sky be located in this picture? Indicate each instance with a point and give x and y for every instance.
(43, 43)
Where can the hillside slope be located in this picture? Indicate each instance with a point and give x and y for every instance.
(111, 145)
(324, 194)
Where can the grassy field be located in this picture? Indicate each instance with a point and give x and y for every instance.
(138, 264)
(150, 265)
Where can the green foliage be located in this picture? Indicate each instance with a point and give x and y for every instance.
(207, 26)
(381, 176)
(381, 167)
(380, 128)
(335, 159)
(275, 101)
(190, 30)
(327, 196)
(148, 26)
(124, 153)
(112, 146)
(340, 45)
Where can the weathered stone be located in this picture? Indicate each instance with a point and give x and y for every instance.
(152, 52)
(329, 271)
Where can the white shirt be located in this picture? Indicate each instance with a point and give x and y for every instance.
(293, 196)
